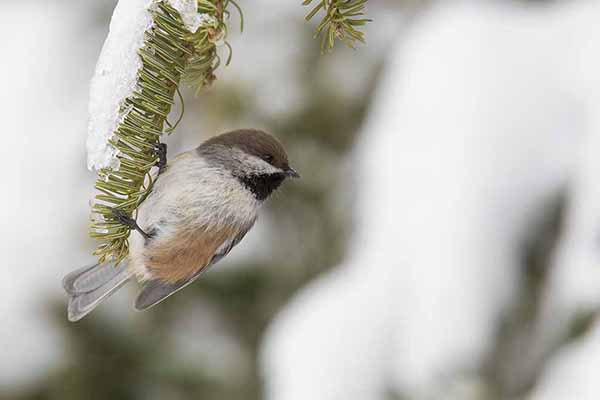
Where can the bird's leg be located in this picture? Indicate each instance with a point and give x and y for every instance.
(161, 152)
(129, 222)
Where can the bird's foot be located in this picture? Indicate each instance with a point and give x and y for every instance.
(129, 222)
(161, 152)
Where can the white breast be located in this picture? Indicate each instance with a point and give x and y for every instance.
(191, 194)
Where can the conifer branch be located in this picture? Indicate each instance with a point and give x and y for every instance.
(342, 20)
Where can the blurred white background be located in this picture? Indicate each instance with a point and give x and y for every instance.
(486, 112)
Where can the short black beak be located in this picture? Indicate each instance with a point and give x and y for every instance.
(291, 173)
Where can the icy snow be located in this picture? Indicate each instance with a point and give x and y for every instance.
(115, 78)
(188, 9)
(116, 72)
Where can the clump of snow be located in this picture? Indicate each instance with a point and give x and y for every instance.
(188, 9)
(115, 78)
(117, 69)
(207, 20)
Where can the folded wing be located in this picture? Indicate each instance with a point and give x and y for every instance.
(180, 261)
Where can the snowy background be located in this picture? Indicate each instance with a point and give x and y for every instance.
(444, 242)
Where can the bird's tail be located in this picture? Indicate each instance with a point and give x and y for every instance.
(88, 286)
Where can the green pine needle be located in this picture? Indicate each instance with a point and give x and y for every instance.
(341, 21)
(170, 55)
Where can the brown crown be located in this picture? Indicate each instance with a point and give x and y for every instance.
(254, 142)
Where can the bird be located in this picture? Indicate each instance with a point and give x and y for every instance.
(202, 205)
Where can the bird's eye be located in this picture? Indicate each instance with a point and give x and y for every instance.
(268, 158)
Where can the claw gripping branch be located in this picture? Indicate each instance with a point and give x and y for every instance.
(170, 53)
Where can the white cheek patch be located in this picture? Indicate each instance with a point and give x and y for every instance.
(256, 165)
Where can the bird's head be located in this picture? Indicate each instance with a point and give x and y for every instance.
(256, 158)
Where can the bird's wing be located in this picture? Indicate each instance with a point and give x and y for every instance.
(178, 259)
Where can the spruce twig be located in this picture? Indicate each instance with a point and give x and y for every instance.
(342, 20)
(170, 55)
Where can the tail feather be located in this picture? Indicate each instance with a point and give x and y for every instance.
(87, 279)
(88, 286)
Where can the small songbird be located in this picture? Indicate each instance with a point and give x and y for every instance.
(202, 205)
